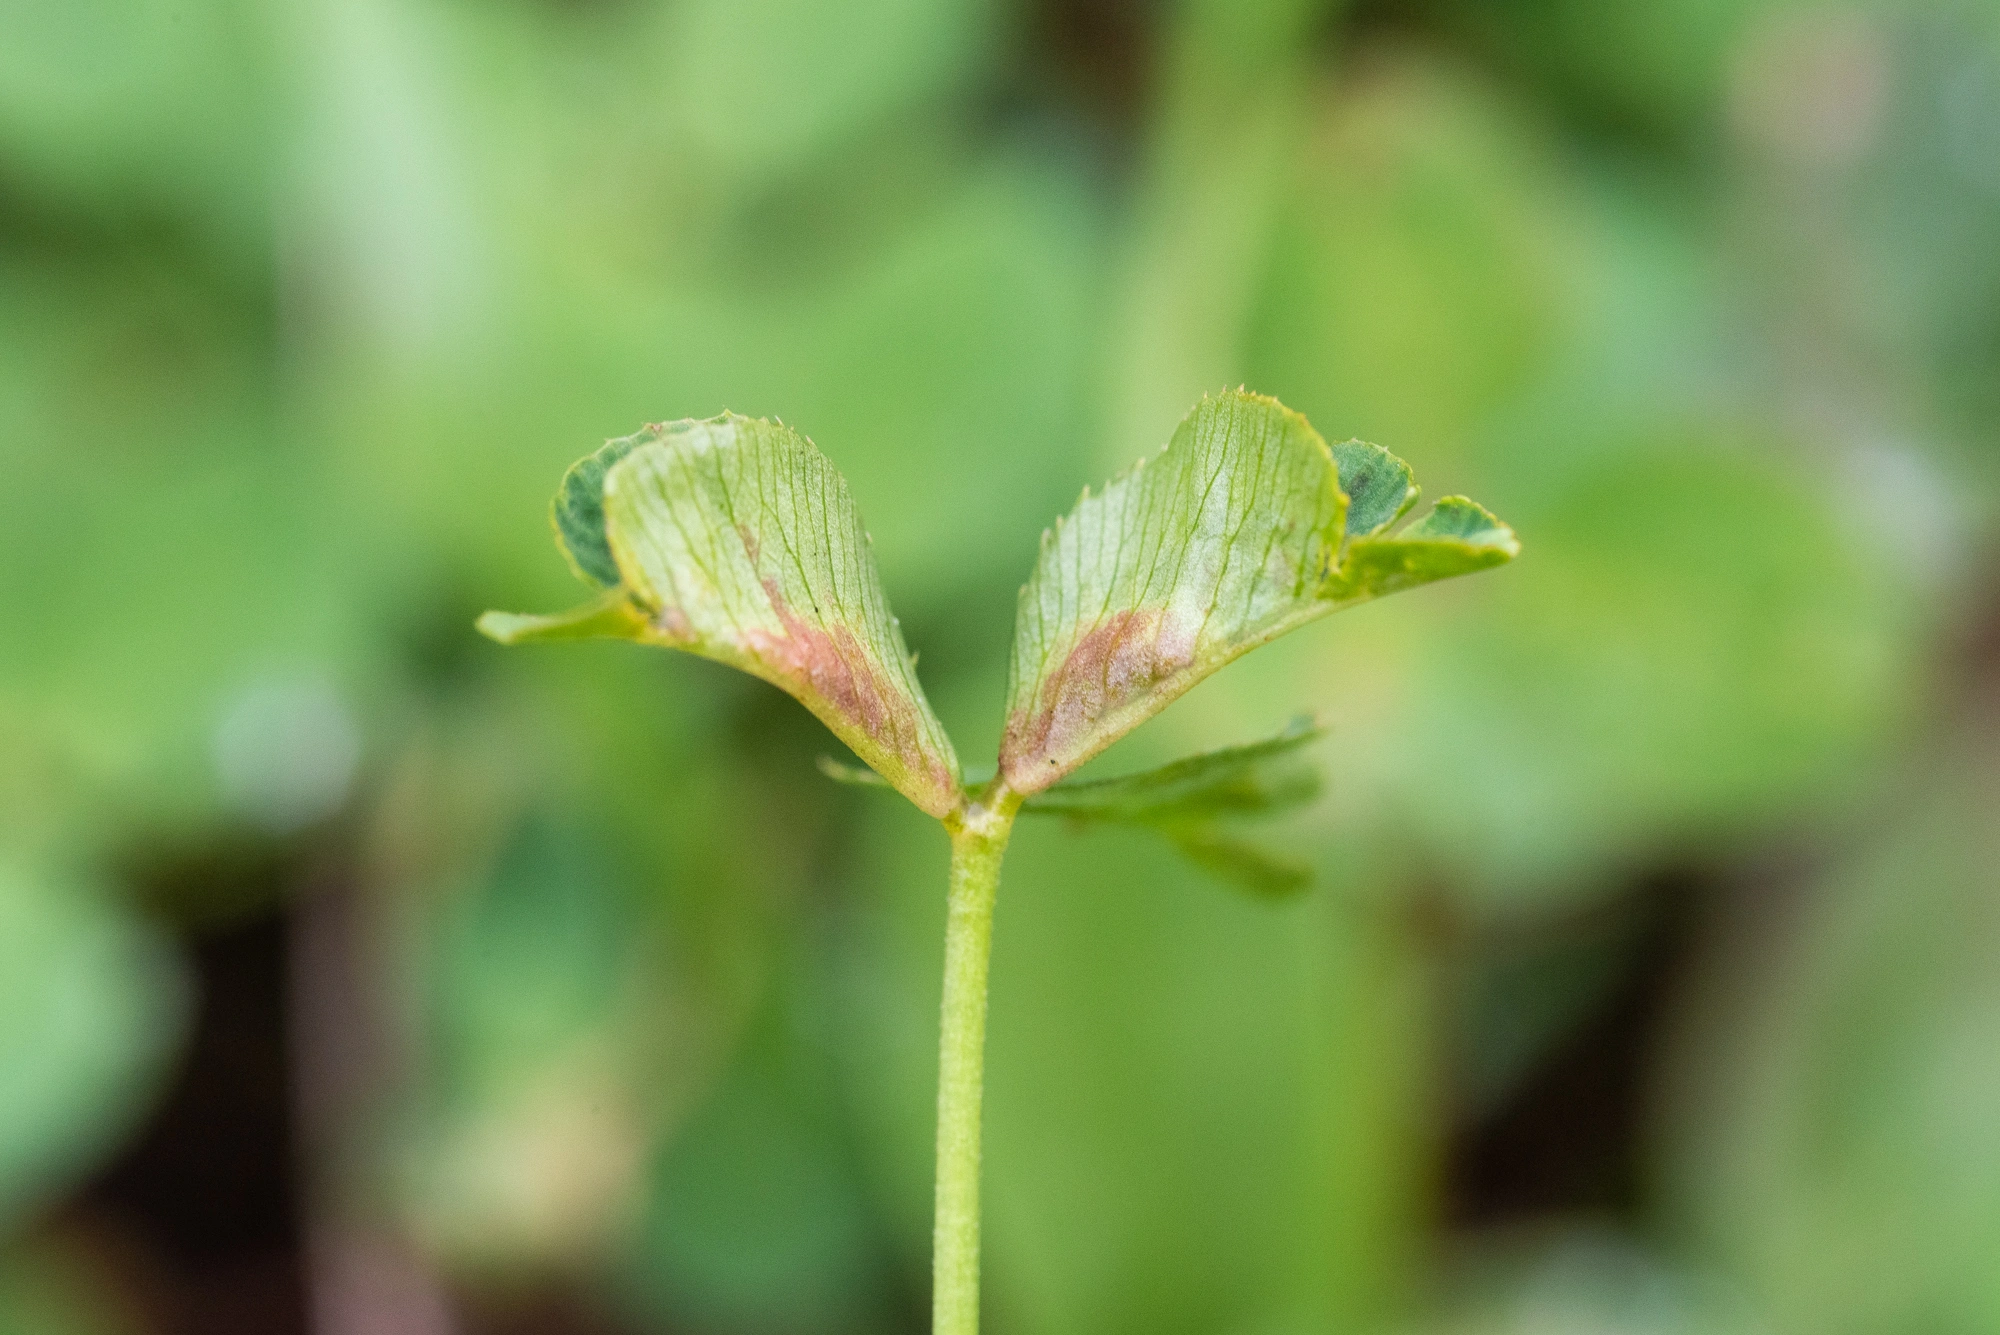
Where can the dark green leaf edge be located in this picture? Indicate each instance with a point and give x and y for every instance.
(577, 511)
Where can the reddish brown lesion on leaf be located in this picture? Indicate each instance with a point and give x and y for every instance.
(1116, 663)
(832, 672)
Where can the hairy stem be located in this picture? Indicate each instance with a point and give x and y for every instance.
(978, 841)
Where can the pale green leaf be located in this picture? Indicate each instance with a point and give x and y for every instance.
(612, 616)
(736, 539)
(1234, 534)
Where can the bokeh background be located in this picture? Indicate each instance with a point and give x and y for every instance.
(358, 976)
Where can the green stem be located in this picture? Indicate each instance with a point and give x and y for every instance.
(978, 841)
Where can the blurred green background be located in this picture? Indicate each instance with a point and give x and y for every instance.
(358, 976)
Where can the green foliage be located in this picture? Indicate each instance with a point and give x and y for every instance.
(89, 1007)
(845, 67)
(1833, 1145)
(528, 1137)
(759, 1216)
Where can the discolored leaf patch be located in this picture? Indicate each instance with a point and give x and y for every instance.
(1123, 657)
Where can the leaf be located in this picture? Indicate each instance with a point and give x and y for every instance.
(1238, 531)
(1456, 538)
(1186, 800)
(1379, 487)
(736, 539)
(1234, 781)
(612, 616)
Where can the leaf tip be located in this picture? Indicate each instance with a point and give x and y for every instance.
(501, 627)
(1462, 519)
(609, 616)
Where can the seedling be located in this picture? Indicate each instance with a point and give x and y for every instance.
(737, 540)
